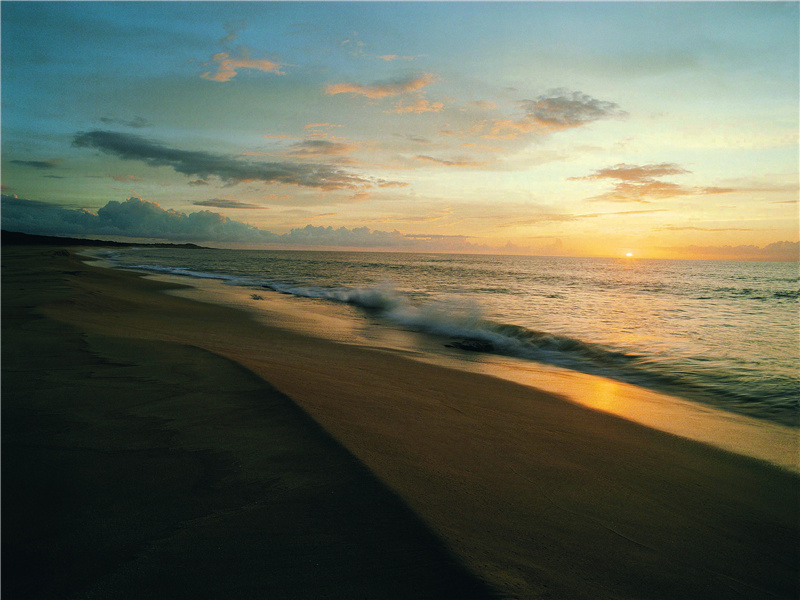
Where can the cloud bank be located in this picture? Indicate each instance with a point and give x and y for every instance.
(779, 252)
(229, 169)
(137, 218)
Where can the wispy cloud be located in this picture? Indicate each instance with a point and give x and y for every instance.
(320, 126)
(228, 169)
(38, 164)
(777, 251)
(548, 217)
(222, 203)
(378, 91)
(135, 123)
(420, 105)
(693, 228)
(391, 57)
(232, 29)
(227, 67)
(634, 173)
(638, 183)
(449, 163)
(316, 148)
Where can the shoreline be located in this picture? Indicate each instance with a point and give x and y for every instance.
(535, 495)
(760, 439)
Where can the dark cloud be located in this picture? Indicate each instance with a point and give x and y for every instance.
(135, 123)
(229, 169)
(561, 110)
(219, 203)
(38, 164)
(137, 218)
(133, 218)
(555, 111)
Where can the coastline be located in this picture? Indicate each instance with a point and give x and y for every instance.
(536, 496)
(763, 440)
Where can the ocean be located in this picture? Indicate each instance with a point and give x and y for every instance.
(725, 334)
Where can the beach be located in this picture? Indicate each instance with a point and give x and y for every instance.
(155, 446)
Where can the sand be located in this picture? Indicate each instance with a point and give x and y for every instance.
(158, 447)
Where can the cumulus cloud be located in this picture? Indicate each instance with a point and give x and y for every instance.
(227, 67)
(378, 91)
(555, 111)
(638, 183)
(38, 164)
(133, 218)
(221, 203)
(205, 164)
(137, 218)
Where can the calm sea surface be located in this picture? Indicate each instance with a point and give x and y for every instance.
(724, 333)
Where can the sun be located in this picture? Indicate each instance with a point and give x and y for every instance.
(629, 254)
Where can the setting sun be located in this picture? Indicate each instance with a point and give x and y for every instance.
(629, 254)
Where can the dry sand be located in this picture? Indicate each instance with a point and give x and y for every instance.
(146, 448)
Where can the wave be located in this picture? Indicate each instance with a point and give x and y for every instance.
(464, 324)
(466, 327)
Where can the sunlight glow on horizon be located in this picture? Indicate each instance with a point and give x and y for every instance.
(361, 130)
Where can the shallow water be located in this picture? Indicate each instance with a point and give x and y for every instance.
(720, 333)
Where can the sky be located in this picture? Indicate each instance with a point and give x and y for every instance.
(659, 129)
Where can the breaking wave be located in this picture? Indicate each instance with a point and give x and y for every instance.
(463, 324)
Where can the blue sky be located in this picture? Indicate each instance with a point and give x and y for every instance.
(661, 129)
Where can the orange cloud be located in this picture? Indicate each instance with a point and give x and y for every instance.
(317, 125)
(391, 57)
(313, 148)
(637, 173)
(420, 106)
(227, 67)
(449, 163)
(638, 183)
(378, 91)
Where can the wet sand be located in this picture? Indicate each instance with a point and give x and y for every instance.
(146, 449)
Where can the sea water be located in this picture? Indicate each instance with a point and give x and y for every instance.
(719, 333)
